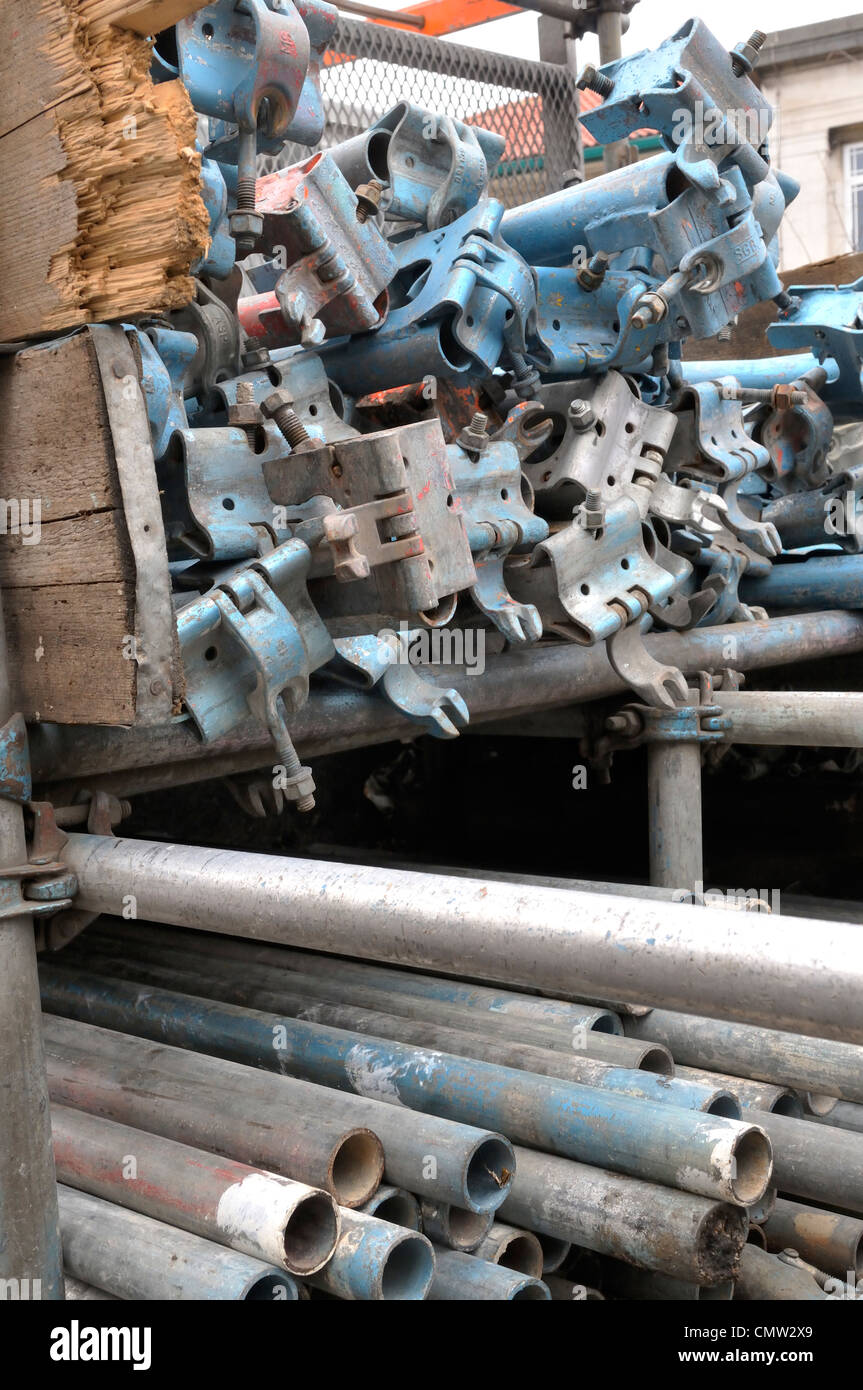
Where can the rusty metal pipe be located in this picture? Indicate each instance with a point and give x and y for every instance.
(376, 1261)
(706, 1153)
(513, 1248)
(461, 1277)
(686, 1237)
(281, 1222)
(818, 1162)
(752, 1095)
(826, 1239)
(762, 1277)
(711, 1098)
(674, 814)
(453, 1227)
(744, 967)
(624, 1281)
(134, 1257)
(471, 1167)
(305, 1145)
(395, 1205)
(763, 1054)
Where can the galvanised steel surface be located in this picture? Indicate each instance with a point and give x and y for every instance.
(714, 1099)
(764, 1277)
(781, 1058)
(816, 1161)
(375, 1260)
(826, 1239)
(705, 1154)
(281, 1222)
(466, 1277)
(555, 675)
(656, 1228)
(795, 975)
(307, 1145)
(472, 1167)
(134, 1257)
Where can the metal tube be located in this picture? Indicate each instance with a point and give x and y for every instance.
(491, 1005)
(688, 1238)
(706, 1154)
(832, 1242)
(818, 1162)
(452, 1162)
(461, 1277)
(662, 1090)
(560, 674)
(801, 719)
(377, 1261)
(76, 1289)
(134, 1257)
(797, 974)
(30, 1258)
(763, 1277)
(834, 581)
(307, 1146)
(554, 1251)
(395, 1205)
(273, 1219)
(759, 1211)
(674, 814)
(453, 1227)
(846, 1115)
(512, 1248)
(764, 1054)
(752, 1095)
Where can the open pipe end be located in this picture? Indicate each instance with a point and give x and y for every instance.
(719, 1240)
(786, 1103)
(408, 1269)
(396, 1206)
(489, 1175)
(657, 1059)
(532, 1289)
(751, 1166)
(463, 1230)
(554, 1251)
(356, 1168)
(311, 1233)
(725, 1104)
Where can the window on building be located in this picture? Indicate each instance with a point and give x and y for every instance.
(854, 186)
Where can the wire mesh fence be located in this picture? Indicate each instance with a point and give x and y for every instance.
(371, 67)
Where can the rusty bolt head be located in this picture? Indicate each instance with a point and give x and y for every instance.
(243, 415)
(368, 196)
(276, 401)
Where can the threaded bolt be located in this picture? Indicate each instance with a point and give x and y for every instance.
(591, 79)
(745, 56)
(294, 768)
(368, 196)
(245, 414)
(279, 407)
(478, 423)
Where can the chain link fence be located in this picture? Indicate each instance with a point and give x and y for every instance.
(371, 67)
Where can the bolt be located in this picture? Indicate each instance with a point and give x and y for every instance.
(745, 55)
(278, 407)
(527, 377)
(245, 414)
(595, 81)
(473, 437)
(581, 414)
(591, 276)
(300, 781)
(368, 196)
(246, 224)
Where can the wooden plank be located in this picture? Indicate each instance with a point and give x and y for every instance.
(91, 549)
(66, 649)
(100, 187)
(749, 337)
(69, 595)
(55, 443)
